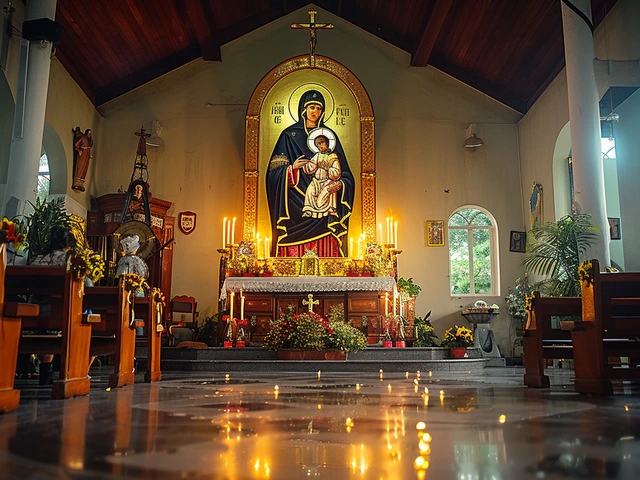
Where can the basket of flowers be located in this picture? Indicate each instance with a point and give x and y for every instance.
(309, 336)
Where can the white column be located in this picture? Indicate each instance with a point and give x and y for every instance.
(584, 116)
(22, 177)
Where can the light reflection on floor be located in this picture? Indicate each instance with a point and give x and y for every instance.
(341, 426)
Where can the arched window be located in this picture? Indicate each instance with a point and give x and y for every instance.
(44, 178)
(473, 262)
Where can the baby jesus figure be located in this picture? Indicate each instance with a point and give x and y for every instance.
(321, 196)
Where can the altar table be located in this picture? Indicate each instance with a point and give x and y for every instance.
(364, 299)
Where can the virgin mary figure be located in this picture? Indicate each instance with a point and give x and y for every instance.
(288, 180)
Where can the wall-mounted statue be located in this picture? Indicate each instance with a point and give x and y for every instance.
(82, 143)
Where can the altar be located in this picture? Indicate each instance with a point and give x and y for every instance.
(364, 299)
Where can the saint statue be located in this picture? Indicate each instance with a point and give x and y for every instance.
(310, 187)
(130, 262)
(82, 146)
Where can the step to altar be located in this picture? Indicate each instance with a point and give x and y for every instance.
(373, 359)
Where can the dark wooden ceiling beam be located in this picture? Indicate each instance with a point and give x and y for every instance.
(202, 21)
(430, 33)
(480, 84)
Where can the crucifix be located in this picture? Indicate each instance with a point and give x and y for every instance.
(312, 26)
(310, 302)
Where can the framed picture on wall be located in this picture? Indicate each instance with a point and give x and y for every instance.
(435, 233)
(614, 229)
(518, 241)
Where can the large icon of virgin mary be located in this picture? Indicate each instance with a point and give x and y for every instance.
(310, 187)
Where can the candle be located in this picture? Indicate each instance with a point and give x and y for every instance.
(224, 230)
(386, 303)
(380, 233)
(233, 231)
(351, 247)
(388, 230)
(319, 374)
(395, 298)
(231, 307)
(359, 247)
(267, 247)
(381, 374)
(228, 241)
(259, 240)
(241, 305)
(395, 235)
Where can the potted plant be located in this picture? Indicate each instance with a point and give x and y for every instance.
(44, 217)
(308, 336)
(424, 332)
(458, 339)
(555, 253)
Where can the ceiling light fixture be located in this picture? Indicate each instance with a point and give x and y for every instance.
(154, 140)
(472, 141)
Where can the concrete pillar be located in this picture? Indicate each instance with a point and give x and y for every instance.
(24, 157)
(584, 115)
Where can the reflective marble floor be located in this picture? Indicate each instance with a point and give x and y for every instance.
(332, 426)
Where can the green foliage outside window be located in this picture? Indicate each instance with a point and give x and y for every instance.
(460, 224)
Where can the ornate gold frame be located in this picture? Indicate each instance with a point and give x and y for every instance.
(367, 144)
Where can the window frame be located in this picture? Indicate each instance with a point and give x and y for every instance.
(493, 252)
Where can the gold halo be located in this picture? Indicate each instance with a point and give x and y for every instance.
(144, 232)
(327, 132)
(294, 100)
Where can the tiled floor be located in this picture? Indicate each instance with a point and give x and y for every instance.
(338, 426)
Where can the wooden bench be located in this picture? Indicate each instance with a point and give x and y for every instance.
(72, 342)
(610, 329)
(541, 342)
(116, 333)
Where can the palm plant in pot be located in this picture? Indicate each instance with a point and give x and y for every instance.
(556, 250)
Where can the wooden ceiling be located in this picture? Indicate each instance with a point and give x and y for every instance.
(509, 49)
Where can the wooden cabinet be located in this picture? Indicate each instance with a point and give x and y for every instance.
(105, 219)
(357, 305)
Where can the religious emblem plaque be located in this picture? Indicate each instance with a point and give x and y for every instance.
(187, 222)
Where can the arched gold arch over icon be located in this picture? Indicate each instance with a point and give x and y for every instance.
(349, 113)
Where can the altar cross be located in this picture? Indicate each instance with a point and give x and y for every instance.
(312, 26)
(310, 302)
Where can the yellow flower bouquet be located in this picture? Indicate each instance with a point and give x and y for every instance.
(457, 337)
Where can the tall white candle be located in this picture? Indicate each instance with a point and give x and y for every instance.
(258, 248)
(351, 248)
(386, 303)
(241, 305)
(380, 233)
(233, 231)
(395, 300)
(231, 295)
(359, 247)
(395, 235)
(228, 233)
(267, 247)
(388, 230)
(224, 231)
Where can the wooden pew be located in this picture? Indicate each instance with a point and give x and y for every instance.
(65, 292)
(541, 342)
(610, 329)
(115, 334)
(11, 314)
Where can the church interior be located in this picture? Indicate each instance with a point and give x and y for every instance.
(389, 175)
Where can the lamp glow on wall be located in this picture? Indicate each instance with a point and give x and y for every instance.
(473, 141)
(154, 140)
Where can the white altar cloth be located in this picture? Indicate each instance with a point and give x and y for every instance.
(306, 284)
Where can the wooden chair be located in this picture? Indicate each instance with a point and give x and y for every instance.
(183, 315)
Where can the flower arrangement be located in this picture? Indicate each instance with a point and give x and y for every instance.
(88, 263)
(377, 262)
(12, 232)
(425, 333)
(134, 283)
(310, 331)
(457, 337)
(407, 288)
(585, 272)
(244, 260)
(516, 300)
